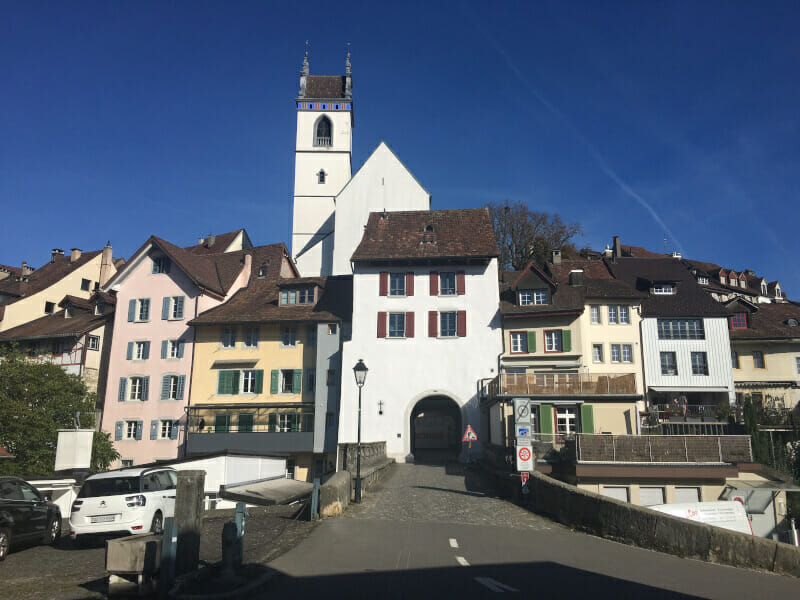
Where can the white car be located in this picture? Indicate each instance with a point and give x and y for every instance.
(127, 501)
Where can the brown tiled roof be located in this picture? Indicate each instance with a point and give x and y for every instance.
(592, 269)
(221, 242)
(44, 276)
(55, 325)
(639, 252)
(4, 453)
(770, 321)
(325, 86)
(563, 298)
(427, 234)
(12, 270)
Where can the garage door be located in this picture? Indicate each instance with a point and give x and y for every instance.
(618, 493)
(649, 496)
(687, 494)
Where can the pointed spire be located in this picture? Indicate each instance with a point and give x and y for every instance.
(347, 62)
(305, 62)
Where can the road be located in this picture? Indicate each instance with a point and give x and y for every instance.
(433, 531)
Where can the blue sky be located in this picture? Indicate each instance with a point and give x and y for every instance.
(119, 119)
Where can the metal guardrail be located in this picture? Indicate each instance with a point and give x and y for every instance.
(708, 449)
(528, 384)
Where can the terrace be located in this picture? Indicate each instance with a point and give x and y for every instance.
(563, 384)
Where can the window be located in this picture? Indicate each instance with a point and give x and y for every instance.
(137, 389)
(245, 423)
(141, 350)
(624, 315)
(287, 382)
(565, 421)
(165, 429)
(612, 315)
(797, 363)
(250, 337)
(528, 297)
(397, 284)
(519, 341)
(311, 380)
(758, 359)
(627, 353)
(597, 353)
(249, 381)
(595, 312)
(139, 310)
(663, 289)
(176, 307)
(298, 296)
(228, 338)
(126, 463)
(161, 264)
(331, 377)
(93, 342)
(739, 321)
(397, 325)
(262, 271)
(649, 496)
(174, 349)
(619, 314)
(734, 359)
(133, 430)
(447, 284)
(172, 387)
(702, 280)
(49, 307)
(540, 296)
(669, 366)
(699, 363)
(332, 328)
(552, 341)
(615, 353)
(447, 324)
(322, 133)
(321, 176)
(100, 308)
(681, 329)
(288, 337)
(85, 285)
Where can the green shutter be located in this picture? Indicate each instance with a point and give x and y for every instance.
(587, 418)
(220, 382)
(234, 382)
(545, 418)
(566, 340)
(259, 381)
(297, 384)
(531, 341)
(273, 381)
(227, 382)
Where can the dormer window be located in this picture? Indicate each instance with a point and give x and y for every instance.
(777, 291)
(663, 289)
(702, 280)
(262, 271)
(763, 288)
(531, 297)
(429, 229)
(739, 321)
(792, 322)
(69, 311)
(297, 296)
(100, 308)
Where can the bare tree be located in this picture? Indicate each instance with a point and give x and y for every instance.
(524, 235)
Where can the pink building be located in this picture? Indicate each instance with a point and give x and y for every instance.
(158, 292)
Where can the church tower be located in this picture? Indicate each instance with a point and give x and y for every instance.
(322, 165)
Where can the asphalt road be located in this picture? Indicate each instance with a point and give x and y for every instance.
(430, 533)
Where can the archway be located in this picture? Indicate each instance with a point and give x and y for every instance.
(435, 430)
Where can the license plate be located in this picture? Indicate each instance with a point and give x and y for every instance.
(102, 519)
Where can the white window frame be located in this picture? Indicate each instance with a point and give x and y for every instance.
(174, 381)
(165, 429)
(173, 306)
(228, 341)
(282, 389)
(172, 348)
(247, 381)
(699, 365)
(519, 342)
(553, 341)
(138, 350)
(93, 342)
(401, 316)
(666, 372)
(702, 280)
(288, 336)
(135, 388)
(664, 289)
(612, 315)
(594, 311)
(141, 303)
(616, 353)
(130, 429)
(597, 353)
(540, 296)
(448, 332)
(624, 314)
(569, 417)
(250, 335)
(397, 284)
(525, 297)
(627, 349)
(447, 283)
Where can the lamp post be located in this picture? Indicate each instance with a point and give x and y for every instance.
(360, 371)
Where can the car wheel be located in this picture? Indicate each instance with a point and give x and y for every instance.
(53, 530)
(157, 525)
(5, 543)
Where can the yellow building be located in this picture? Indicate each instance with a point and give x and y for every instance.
(266, 371)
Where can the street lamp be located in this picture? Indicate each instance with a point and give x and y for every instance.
(360, 371)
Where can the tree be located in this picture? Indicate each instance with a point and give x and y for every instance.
(38, 398)
(524, 235)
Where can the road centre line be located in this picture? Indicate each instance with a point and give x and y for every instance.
(453, 543)
(462, 561)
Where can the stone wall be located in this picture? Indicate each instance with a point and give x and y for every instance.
(646, 528)
(373, 453)
(334, 494)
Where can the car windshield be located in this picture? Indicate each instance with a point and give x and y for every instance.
(110, 486)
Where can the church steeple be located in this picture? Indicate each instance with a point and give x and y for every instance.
(304, 75)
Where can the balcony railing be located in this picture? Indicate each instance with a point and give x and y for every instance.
(689, 412)
(573, 384)
(250, 419)
(322, 141)
(708, 449)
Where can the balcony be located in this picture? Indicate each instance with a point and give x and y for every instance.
(690, 419)
(250, 428)
(567, 384)
(663, 449)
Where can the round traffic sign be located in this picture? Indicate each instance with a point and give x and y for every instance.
(524, 454)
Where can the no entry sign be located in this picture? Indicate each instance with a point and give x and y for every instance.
(524, 458)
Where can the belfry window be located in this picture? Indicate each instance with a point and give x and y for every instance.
(321, 176)
(322, 134)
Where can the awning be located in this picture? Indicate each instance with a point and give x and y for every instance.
(231, 364)
(658, 388)
(276, 490)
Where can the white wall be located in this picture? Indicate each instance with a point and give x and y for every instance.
(405, 371)
(382, 182)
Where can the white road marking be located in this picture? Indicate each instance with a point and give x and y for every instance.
(462, 561)
(453, 543)
(495, 585)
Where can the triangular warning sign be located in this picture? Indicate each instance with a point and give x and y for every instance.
(469, 435)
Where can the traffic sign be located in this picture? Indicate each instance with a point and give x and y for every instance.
(523, 431)
(525, 476)
(469, 435)
(522, 411)
(524, 457)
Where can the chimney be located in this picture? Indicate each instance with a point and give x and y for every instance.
(607, 253)
(26, 270)
(74, 254)
(617, 247)
(55, 253)
(556, 257)
(750, 272)
(201, 240)
(210, 241)
(676, 255)
(106, 264)
(576, 277)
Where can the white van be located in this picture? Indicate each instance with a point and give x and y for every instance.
(728, 515)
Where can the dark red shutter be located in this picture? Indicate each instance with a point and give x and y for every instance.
(409, 324)
(461, 323)
(381, 324)
(460, 287)
(409, 284)
(433, 317)
(434, 283)
(384, 286)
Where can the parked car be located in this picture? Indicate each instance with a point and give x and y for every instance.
(127, 501)
(25, 515)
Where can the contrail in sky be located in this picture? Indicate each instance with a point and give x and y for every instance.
(593, 151)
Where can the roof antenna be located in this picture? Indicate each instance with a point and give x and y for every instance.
(347, 62)
(665, 245)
